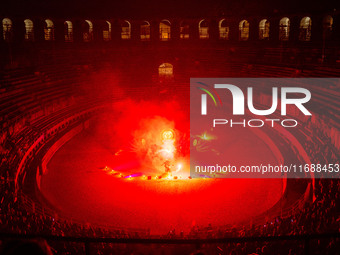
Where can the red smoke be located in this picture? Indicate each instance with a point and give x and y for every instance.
(137, 126)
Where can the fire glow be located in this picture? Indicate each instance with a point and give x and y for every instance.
(168, 145)
(153, 138)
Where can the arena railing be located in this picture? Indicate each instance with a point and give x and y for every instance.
(87, 242)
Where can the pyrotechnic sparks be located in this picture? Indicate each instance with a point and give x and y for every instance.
(168, 148)
(179, 167)
(147, 135)
(168, 135)
(155, 143)
(206, 136)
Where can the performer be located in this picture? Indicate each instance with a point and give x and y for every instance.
(166, 165)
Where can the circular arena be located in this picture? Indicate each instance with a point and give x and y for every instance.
(96, 135)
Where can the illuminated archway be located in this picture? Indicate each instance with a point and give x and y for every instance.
(145, 31)
(7, 29)
(305, 29)
(244, 30)
(327, 26)
(107, 32)
(29, 30)
(68, 31)
(184, 32)
(166, 71)
(284, 29)
(49, 30)
(165, 30)
(126, 30)
(264, 29)
(203, 29)
(223, 29)
(88, 31)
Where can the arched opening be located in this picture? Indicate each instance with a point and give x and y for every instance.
(305, 29)
(244, 30)
(203, 29)
(68, 31)
(145, 31)
(166, 71)
(284, 29)
(327, 26)
(107, 32)
(165, 30)
(264, 29)
(184, 30)
(126, 30)
(223, 29)
(29, 30)
(49, 30)
(88, 31)
(7, 29)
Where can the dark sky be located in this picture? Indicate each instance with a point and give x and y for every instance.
(161, 9)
